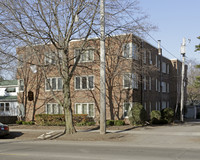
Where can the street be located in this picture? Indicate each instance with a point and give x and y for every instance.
(172, 142)
(51, 150)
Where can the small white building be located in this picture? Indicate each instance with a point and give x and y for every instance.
(8, 98)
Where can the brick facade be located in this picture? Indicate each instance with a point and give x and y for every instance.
(133, 74)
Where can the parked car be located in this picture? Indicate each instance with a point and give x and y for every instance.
(4, 129)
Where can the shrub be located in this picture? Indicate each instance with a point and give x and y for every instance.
(59, 119)
(167, 114)
(119, 123)
(28, 123)
(19, 122)
(155, 117)
(90, 123)
(137, 115)
(110, 123)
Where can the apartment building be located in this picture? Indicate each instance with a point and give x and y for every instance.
(135, 72)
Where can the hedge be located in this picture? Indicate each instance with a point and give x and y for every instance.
(59, 119)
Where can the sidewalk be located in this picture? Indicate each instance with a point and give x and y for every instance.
(185, 135)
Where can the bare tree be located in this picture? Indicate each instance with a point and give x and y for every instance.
(193, 88)
(55, 23)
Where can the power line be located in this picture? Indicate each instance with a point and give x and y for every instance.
(147, 32)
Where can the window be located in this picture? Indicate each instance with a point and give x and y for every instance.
(50, 58)
(167, 68)
(149, 83)
(84, 108)
(167, 87)
(149, 107)
(156, 84)
(20, 60)
(150, 58)
(158, 64)
(145, 82)
(156, 61)
(164, 87)
(145, 105)
(164, 104)
(84, 82)
(145, 57)
(164, 67)
(54, 83)
(21, 85)
(129, 51)
(85, 56)
(127, 107)
(130, 81)
(54, 108)
(4, 107)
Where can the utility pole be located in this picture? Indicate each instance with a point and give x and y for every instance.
(102, 70)
(182, 79)
(160, 54)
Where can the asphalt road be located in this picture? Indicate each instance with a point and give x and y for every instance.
(58, 150)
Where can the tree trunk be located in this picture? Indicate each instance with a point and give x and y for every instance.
(69, 127)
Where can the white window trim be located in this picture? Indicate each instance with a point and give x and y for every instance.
(87, 108)
(51, 84)
(133, 83)
(145, 57)
(164, 67)
(87, 78)
(48, 56)
(145, 82)
(60, 112)
(145, 106)
(150, 81)
(83, 52)
(19, 85)
(164, 87)
(132, 51)
(150, 58)
(131, 105)
(20, 60)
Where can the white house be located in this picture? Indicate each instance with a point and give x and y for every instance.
(8, 98)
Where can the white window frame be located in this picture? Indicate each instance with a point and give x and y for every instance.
(132, 53)
(150, 81)
(81, 104)
(150, 58)
(21, 84)
(59, 108)
(145, 57)
(167, 68)
(20, 60)
(4, 107)
(156, 84)
(87, 82)
(57, 88)
(86, 52)
(164, 87)
(133, 80)
(156, 60)
(145, 106)
(149, 107)
(127, 111)
(50, 58)
(145, 82)
(164, 67)
(167, 87)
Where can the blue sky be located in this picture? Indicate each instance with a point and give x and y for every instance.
(175, 19)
